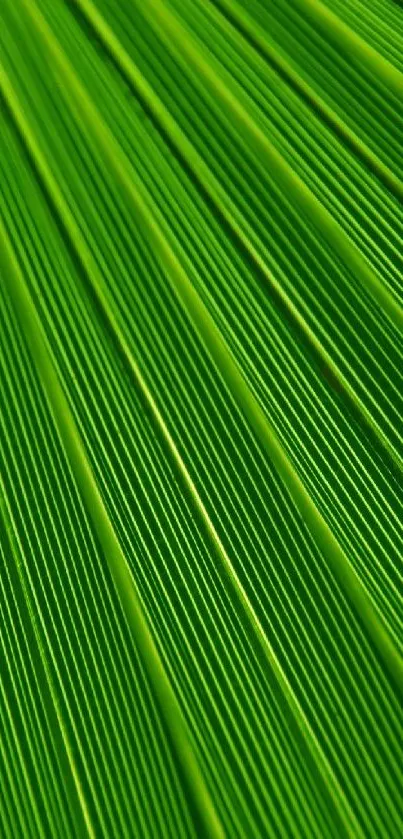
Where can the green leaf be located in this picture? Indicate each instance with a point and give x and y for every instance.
(201, 498)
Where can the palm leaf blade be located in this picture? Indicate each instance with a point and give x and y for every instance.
(201, 470)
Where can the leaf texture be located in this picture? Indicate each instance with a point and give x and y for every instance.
(201, 449)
